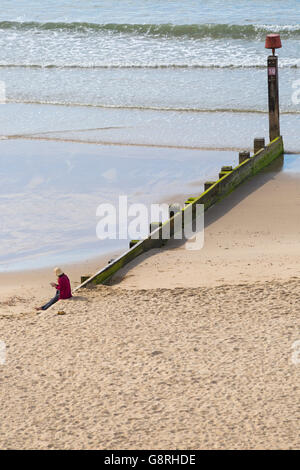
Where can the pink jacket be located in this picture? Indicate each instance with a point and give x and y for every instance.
(64, 287)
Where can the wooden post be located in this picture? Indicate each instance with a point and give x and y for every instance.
(274, 127)
(189, 200)
(225, 170)
(133, 242)
(243, 156)
(259, 143)
(208, 184)
(154, 225)
(158, 236)
(173, 209)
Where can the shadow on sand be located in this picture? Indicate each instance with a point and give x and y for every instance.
(214, 213)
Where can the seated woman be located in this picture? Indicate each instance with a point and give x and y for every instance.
(63, 289)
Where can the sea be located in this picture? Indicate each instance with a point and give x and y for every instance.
(144, 98)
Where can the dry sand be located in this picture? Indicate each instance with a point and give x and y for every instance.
(187, 350)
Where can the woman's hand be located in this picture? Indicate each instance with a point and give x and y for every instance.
(52, 284)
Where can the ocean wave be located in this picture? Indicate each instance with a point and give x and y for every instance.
(148, 108)
(193, 31)
(282, 64)
(42, 137)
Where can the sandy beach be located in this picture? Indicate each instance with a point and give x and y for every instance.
(181, 349)
(185, 350)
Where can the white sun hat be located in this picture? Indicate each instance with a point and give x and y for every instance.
(58, 272)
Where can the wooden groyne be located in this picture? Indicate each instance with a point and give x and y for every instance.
(229, 179)
(214, 191)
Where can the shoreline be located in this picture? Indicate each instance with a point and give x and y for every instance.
(57, 216)
(24, 283)
(245, 242)
(28, 277)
